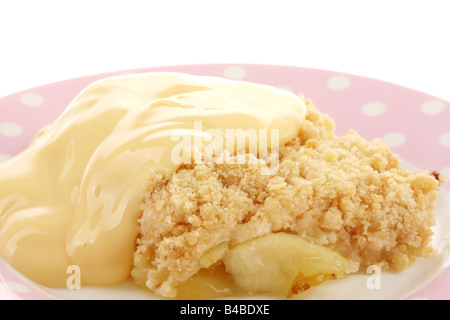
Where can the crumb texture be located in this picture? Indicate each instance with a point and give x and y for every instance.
(344, 193)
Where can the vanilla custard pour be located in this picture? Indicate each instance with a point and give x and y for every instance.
(73, 196)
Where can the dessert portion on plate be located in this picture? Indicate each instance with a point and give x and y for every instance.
(342, 193)
(201, 187)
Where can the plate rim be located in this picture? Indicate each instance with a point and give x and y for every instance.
(148, 69)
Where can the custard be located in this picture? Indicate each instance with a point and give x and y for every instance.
(73, 196)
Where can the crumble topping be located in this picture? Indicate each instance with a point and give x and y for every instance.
(345, 193)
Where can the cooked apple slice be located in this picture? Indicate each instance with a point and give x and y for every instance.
(282, 263)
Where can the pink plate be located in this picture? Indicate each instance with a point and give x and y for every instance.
(415, 125)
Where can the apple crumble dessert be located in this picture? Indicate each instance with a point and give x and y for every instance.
(340, 193)
(276, 214)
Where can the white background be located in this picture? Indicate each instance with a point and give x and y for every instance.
(404, 42)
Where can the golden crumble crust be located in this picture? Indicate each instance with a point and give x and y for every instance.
(344, 193)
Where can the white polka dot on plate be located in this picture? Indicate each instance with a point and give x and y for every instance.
(17, 287)
(4, 157)
(374, 108)
(394, 139)
(445, 139)
(445, 172)
(432, 107)
(10, 129)
(31, 99)
(235, 73)
(338, 82)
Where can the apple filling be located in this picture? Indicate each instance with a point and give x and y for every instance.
(279, 264)
(282, 264)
